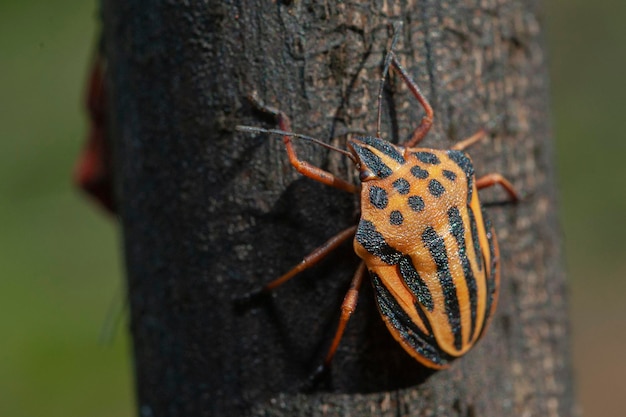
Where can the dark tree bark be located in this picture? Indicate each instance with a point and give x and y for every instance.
(209, 213)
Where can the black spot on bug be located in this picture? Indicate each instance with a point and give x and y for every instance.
(416, 203)
(436, 188)
(427, 158)
(396, 218)
(384, 147)
(449, 175)
(419, 173)
(372, 161)
(374, 242)
(437, 248)
(463, 161)
(402, 186)
(378, 197)
(415, 282)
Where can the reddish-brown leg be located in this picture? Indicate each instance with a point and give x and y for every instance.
(347, 308)
(492, 179)
(466, 143)
(313, 258)
(427, 120)
(301, 166)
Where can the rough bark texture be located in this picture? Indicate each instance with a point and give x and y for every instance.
(209, 213)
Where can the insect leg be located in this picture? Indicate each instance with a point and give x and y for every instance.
(494, 178)
(347, 308)
(310, 260)
(301, 166)
(427, 120)
(466, 143)
(314, 257)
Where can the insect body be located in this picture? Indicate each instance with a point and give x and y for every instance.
(430, 251)
(431, 254)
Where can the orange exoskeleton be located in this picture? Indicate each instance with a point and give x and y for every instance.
(431, 253)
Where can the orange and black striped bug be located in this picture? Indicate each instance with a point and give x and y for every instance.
(430, 250)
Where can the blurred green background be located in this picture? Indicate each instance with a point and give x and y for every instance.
(59, 257)
(586, 41)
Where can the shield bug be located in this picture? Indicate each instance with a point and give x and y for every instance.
(431, 252)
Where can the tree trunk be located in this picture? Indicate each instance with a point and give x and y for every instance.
(209, 213)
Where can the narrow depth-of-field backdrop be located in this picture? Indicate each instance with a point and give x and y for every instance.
(60, 267)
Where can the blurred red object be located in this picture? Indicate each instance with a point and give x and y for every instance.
(93, 170)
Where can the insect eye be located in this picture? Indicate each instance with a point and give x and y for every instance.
(367, 175)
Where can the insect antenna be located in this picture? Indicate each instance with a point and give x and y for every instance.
(397, 26)
(252, 129)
